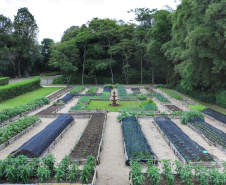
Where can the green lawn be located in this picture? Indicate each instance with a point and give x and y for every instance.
(96, 104)
(25, 98)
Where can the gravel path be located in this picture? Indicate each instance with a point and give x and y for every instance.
(16, 144)
(68, 106)
(99, 90)
(68, 140)
(112, 168)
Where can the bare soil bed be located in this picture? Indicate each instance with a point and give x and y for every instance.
(49, 110)
(58, 93)
(173, 108)
(90, 139)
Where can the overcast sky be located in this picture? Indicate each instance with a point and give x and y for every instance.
(53, 17)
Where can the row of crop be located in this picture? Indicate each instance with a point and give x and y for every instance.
(136, 145)
(19, 170)
(4, 81)
(77, 89)
(92, 90)
(185, 174)
(16, 127)
(6, 114)
(161, 98)
(213, 134)
(187, 148)
(16, 89)
(172, 94)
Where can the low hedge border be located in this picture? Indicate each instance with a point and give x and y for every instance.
(16, 89)
(4, 81)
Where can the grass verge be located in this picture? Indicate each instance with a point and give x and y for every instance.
(96, 104)
(27, 97)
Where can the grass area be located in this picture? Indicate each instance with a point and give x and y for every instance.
(27, 97)
(212, 106)
(95, 104)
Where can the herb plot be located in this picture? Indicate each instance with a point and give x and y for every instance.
(90, 140)
(214, 114)
(135, 143)
(213, 135)
(186, 149)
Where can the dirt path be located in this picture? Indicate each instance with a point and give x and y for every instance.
(156, 141)
(16, 144)
(112, 168)
(68, 141)
(99, 90)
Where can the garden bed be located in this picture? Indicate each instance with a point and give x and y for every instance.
(186, 149)
(215, 116)
(172, 108)
(50, 110)
(58, 93)
(91, 140)
(136, 146)
(211, 134)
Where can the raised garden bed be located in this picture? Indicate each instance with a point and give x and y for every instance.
(50, 110)
(136, 90)
(90, 141)
(215, 116)
(187, 150)
(173, 108)
(67, 98)
(135, 143)
(211, 134)
(58, 94)
(107, 89)
(43, 142)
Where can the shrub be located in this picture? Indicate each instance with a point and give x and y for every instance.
(187, 115)
(4, 81)
(197, 107)
(76, 90)
(16, 89)
(59, 80)
(108, 85)
(221, 99)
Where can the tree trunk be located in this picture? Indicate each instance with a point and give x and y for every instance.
(112, 75)
(95, 77)
(126, 78)
(153, 76)
(18, 69)
(141, 69)
(83, 65)
(68, 77)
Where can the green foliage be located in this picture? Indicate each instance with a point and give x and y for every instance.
(161, 98)
(168, 172)
(49, 162)
(172, 94)
(73, 172)
(43, 173)
(187, 115)
(126, 113)
(121, 91)
(136, 173)
(16, 127)
(4, 81)
(197, 107)
(16, 89)
(221, 99)
(87, 169)
(108, 85)
(92, 90)
(141, 154)
(141, 97)
(6, 114)
(78, 107)
(153, 173)
(77, 89)
(148, 105)
(84, 99)
(186, 174)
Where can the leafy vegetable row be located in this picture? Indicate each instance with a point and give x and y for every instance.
(92, 90)
(161, 98)
(77, 89)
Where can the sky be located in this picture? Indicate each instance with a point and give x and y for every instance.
(53, 17)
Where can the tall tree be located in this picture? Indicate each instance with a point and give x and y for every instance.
(25, 33)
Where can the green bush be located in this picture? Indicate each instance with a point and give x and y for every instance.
(108, 85)
(187, 115)
(76, 90)
(4, 81)
(16, 89)
(221, 99)
(6, 114)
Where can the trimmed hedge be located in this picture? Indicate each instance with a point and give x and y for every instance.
(4, 81)
(221, 99)
(16, 89)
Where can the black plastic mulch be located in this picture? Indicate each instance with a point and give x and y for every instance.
(66, 98)
(213, 134)
(90, 94)
(134, 139)
(214, 114)
(107, 89)
(189, 149)
(35, 146)
(135, 89)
